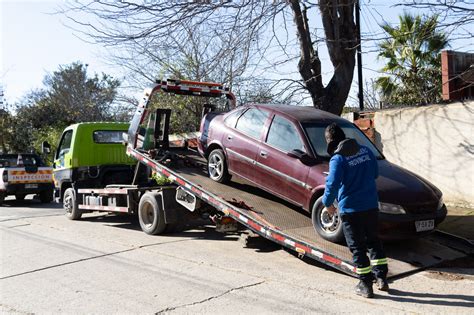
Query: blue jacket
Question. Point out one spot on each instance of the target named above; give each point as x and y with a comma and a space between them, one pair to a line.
352, 173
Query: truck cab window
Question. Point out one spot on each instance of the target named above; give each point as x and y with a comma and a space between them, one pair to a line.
65, 144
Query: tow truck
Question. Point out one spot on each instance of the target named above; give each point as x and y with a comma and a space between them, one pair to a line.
191, 192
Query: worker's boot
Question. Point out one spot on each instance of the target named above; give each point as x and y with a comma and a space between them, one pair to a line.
382, 284
364, 288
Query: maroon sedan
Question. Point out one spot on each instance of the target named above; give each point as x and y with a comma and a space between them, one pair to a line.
282, 150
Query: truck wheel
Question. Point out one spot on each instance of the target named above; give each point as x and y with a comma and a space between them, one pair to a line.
20, 197
151, 215
328, 227
46, 196
2, 196
70, 205
217, 166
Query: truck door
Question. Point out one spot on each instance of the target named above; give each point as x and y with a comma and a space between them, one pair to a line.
62, 167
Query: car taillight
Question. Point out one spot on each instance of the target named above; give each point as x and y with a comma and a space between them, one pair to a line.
5, 176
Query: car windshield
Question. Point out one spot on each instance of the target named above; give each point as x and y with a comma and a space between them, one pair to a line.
315, 132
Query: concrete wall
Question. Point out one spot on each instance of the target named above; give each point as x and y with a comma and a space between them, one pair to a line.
436, 142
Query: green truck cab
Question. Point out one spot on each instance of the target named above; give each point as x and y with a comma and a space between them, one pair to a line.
92, 155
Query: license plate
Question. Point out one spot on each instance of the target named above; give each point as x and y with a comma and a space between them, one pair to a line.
425, 225
31, 185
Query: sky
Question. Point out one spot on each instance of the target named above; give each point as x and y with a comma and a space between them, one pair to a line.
34, 42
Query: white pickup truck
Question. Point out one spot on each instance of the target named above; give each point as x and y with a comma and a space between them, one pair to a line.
24, 174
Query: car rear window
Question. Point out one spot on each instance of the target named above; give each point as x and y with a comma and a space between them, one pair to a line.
108, 136
252, 122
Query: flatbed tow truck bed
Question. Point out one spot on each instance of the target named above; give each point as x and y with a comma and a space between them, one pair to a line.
289, 226
263, 213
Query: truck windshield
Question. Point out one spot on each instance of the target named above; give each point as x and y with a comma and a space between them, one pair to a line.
315, 133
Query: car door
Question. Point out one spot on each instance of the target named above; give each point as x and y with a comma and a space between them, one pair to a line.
285, 176
242, 142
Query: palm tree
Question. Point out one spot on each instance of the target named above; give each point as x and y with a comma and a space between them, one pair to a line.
413, 58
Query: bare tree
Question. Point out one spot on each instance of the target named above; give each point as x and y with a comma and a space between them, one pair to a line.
225, 40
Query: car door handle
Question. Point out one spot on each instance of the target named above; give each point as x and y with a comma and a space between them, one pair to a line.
229, 137
264, 154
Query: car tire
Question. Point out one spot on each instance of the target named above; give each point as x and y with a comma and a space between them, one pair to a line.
217, 166
151, 214
329, 228
2, 197
70, 205
20, 197
46, 196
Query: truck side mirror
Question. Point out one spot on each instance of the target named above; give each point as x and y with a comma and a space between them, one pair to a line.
45, 147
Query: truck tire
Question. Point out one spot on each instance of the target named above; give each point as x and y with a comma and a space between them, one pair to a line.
2, 197
217, 166
70, 205
329, 228
20, 197
151, 214
46, 196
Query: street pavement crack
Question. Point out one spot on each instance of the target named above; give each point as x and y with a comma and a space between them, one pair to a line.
32, 217
168, 309
88, 258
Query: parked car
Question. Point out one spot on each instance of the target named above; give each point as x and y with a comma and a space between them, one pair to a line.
23, 174
282, 149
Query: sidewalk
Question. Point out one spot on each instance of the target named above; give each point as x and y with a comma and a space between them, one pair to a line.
460, 222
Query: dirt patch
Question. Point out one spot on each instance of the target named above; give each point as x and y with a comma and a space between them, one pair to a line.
454, 270
447, 276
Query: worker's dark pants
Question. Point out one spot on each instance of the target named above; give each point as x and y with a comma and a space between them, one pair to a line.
360, 230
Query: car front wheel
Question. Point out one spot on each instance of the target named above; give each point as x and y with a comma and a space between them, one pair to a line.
327, 226
217, 166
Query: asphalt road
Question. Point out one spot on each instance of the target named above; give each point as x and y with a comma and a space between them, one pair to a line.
106, 264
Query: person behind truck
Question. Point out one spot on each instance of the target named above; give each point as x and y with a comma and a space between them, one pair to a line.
352, 172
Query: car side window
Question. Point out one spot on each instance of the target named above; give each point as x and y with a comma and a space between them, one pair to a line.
231, 119
252, 122
283, 135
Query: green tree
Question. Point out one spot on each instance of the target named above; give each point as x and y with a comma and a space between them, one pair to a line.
412, 50
69, 96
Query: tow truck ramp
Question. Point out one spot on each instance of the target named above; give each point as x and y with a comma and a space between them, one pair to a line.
288, 226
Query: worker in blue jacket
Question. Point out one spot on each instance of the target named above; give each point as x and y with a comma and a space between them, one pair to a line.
351, 181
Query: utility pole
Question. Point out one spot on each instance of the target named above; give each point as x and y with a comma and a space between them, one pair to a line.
359, 57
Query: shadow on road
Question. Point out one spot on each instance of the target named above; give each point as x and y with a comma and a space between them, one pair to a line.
29, 203
429, 298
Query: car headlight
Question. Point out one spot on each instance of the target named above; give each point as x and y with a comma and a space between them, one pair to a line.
440, 203
391, 208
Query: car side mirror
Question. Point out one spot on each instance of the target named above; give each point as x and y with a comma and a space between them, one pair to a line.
302, 156
45, 147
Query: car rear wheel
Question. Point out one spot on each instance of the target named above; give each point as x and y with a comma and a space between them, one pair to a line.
70, 205
217, 166
2, 197
327, 226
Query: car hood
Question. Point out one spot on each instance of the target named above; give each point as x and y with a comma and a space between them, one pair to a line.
399, 186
